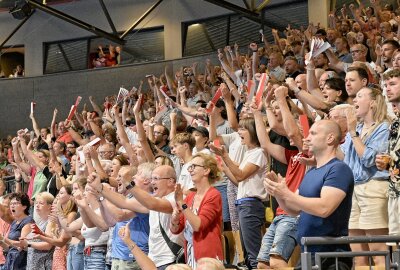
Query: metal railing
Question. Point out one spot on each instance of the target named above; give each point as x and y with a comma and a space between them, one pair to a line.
392, 258
10, 184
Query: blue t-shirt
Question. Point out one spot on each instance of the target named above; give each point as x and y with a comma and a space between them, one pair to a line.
140, 229
333, 174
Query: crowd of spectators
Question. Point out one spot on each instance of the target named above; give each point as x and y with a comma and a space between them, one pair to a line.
162, 176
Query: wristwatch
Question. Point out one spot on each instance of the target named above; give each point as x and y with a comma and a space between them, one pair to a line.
131, 185
184, 206
101, 198
353, 135
105, 180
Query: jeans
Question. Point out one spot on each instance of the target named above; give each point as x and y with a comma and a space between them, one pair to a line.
251, 219
75, 256
96, 260
225, 207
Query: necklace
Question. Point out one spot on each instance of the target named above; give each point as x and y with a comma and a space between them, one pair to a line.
367, 130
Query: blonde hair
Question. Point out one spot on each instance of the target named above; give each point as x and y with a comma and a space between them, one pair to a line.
210, 163
46, 196
379, 109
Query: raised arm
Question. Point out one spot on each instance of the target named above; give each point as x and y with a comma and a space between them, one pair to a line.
89, 216
35, 125
96, 107
225, 65
334, 61
174, 121
273, 122
142, 138
123, 137
307, 98
275, 150
53, 123
29, 155
311, 79
289, 123
115, 198
77, 137
113, 214
25, 167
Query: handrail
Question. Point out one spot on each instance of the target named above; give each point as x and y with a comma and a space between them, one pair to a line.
307, 261
307, 241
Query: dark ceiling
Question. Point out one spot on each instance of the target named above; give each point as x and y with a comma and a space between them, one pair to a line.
5, 5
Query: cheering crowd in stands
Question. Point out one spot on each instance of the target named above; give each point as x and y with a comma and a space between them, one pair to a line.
191, 158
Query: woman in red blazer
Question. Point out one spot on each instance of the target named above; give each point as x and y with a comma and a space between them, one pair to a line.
199, 215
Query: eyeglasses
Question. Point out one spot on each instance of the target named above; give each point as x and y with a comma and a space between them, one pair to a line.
159, 178
193, 166
157, 133
15, 203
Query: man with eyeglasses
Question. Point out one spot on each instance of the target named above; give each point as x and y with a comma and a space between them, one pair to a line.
358, 53
392, 163
161, 134
161, 204
71, 149
107, 151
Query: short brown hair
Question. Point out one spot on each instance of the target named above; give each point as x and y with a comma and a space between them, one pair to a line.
394, 73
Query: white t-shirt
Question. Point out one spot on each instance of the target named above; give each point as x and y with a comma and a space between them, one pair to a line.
224, 128
233, 143
94, 236
253, 186
185, 179
177, 165
159, 252
204, 151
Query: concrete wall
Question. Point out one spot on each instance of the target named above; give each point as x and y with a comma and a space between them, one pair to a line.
42, 27
60, 91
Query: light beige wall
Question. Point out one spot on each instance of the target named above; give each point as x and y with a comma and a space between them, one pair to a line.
318, 11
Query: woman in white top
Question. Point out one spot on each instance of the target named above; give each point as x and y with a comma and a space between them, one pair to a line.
92, 227
249, 176
94, 230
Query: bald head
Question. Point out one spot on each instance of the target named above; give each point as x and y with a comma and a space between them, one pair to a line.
165, 171
331, 128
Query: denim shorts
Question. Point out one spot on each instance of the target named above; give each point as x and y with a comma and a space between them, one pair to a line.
280, 239
96, 260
